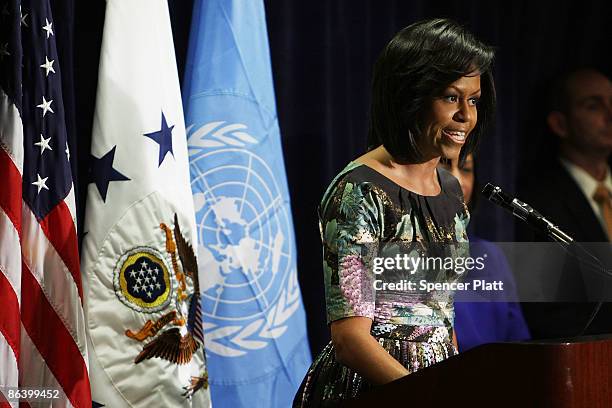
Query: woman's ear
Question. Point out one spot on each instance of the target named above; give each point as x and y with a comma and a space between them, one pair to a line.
557, 122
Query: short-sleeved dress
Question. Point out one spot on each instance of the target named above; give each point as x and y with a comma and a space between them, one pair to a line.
364, 215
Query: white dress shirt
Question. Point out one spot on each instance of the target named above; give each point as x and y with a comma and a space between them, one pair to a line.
588, 185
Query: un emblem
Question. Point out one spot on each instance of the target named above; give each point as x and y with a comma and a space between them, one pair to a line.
142, 281
246, 250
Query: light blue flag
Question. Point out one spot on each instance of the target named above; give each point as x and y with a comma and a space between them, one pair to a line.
254, 321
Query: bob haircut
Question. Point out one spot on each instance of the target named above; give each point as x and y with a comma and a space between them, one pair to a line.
418, 64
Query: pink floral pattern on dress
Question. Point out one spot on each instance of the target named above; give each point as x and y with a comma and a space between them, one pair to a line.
355, 287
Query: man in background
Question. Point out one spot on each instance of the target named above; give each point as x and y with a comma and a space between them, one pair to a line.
574, 190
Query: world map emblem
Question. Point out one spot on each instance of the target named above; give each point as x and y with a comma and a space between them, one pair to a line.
246, 251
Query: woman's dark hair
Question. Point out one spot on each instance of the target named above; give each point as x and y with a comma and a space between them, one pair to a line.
475, 198
418, 64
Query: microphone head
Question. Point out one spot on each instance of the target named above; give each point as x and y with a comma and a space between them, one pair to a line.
495, 194
489, 190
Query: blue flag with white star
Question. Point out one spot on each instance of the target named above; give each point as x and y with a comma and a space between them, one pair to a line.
142, 289
254, 322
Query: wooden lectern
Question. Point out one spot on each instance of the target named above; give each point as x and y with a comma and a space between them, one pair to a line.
574, 373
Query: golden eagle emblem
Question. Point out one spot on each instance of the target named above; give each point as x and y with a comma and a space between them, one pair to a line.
178, 343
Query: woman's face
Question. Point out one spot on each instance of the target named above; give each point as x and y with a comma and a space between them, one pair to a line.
465, 174
452, 118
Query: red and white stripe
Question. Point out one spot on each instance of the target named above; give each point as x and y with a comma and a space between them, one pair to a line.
11, 167
42, 325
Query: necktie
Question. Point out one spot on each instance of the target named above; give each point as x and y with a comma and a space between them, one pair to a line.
602, 198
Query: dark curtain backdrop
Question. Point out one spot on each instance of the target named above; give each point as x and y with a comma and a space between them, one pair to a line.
322, 55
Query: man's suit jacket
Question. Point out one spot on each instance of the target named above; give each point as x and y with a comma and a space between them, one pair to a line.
556, 195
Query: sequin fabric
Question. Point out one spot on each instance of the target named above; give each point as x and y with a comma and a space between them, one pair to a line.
364, 215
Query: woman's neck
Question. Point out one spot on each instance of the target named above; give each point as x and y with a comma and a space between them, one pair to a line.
418, 177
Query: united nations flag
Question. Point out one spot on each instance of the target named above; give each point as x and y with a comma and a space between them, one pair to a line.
251, 303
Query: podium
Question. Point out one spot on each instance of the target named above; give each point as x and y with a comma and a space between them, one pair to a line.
572, 373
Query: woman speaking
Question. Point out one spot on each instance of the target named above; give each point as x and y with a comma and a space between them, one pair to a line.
432, 97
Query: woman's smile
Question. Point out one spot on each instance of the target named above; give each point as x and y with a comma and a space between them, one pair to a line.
457, 136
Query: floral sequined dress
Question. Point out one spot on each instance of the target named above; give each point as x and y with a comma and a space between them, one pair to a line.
364, 215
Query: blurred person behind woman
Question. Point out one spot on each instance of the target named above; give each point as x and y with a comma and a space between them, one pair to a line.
489, 320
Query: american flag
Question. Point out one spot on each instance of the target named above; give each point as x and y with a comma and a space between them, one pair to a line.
42, 325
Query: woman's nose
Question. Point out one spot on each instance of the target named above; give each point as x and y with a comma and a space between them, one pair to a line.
464, 113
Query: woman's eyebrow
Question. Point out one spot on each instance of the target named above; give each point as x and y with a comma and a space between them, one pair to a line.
461, 90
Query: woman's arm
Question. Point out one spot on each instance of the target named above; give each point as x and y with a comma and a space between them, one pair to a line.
357, 349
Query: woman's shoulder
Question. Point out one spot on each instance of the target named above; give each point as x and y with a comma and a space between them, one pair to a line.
452, 195
354, 183
449, 183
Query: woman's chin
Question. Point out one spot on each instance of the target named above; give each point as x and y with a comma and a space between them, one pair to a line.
451, 152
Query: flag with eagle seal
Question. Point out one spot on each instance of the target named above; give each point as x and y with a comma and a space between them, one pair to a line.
142, 290
251, 301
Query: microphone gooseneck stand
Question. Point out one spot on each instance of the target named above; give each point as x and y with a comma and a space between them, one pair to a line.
539, 223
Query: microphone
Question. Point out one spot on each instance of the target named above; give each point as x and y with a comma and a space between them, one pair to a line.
526, 213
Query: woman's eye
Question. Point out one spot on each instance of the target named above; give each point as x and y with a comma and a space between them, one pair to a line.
474, 101
451, 98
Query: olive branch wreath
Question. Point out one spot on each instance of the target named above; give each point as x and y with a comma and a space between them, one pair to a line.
233, 340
